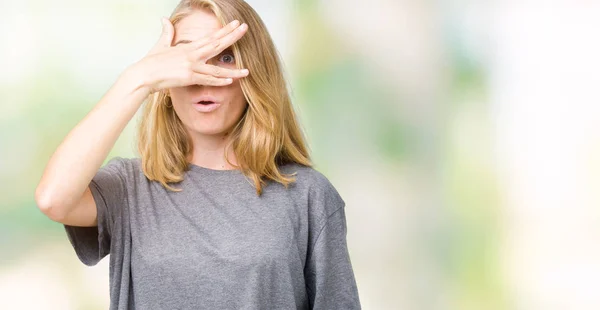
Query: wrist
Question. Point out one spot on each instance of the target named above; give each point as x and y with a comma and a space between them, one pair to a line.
135, 80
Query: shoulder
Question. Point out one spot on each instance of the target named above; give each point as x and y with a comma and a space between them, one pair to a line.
307, 176
118, 162
125, 167
319, 189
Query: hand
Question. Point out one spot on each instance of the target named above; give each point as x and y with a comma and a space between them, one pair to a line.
167, 66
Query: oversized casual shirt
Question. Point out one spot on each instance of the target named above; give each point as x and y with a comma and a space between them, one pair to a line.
217, 244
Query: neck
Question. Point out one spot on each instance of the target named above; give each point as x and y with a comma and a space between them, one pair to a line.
209, 152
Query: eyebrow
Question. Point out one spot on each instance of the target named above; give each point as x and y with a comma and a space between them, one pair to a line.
182, 42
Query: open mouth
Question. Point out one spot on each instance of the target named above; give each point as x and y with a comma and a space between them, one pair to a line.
206, 106
206, 102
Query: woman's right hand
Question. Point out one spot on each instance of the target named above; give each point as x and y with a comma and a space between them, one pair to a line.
167, 66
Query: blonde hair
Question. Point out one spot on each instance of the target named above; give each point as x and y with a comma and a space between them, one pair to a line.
267, 135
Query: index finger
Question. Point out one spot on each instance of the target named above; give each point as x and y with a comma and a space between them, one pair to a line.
215, 36
214, 48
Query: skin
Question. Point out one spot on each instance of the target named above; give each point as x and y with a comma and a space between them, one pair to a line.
63, 193
209, 131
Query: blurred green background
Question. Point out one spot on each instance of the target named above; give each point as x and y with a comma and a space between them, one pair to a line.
463, 136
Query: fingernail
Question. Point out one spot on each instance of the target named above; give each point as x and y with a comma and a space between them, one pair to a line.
245, 71
235, 22
228, 80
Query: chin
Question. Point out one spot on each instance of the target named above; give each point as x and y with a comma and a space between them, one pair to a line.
209, 130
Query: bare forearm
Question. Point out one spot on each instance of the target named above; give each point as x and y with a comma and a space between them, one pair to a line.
81, 153
78, 158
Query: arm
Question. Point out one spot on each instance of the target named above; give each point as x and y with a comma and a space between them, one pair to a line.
63, 193
330, 281
85, 147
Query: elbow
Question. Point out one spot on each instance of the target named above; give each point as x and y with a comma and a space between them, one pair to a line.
46, 202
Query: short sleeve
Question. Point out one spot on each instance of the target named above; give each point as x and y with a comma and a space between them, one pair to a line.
329, 277
109, 190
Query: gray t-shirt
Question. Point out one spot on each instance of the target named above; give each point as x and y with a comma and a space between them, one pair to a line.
216, 244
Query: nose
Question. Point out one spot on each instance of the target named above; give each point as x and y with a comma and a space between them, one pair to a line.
213, 61
199, 87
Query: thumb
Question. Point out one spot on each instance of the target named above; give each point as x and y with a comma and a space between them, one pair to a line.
166, 37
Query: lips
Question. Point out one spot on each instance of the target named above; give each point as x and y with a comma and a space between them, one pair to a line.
206, 104
205, 99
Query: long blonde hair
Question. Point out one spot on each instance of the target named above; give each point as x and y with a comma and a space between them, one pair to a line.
267, 135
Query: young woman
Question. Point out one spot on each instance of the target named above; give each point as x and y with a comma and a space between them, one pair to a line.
222, 210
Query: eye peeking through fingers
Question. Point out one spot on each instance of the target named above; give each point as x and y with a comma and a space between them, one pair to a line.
227, 57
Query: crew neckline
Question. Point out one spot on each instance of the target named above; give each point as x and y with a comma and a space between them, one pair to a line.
194, 167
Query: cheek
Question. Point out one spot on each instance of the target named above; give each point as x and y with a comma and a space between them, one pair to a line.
177, 94
239, 102
178, 99
236, 96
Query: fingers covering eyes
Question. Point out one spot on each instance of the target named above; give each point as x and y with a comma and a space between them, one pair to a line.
212, 48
